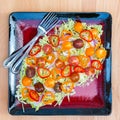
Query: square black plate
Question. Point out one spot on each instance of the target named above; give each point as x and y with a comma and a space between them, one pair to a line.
15, 44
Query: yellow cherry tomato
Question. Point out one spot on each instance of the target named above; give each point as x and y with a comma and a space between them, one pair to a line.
50, 58
25, 92
48, 98
66, 45
49, 83
94, 32
26, 81
101, 53
90, 51
78, 27
84, 60
56, 74
67, 86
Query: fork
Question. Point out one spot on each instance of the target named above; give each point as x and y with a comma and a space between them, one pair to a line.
14, 61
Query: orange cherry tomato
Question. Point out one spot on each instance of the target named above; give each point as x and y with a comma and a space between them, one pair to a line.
41, 62
66, 45
31, 61
78, 27
59, 63
26, 81
84, 60
90, 51
66, 71
48, 98
49, 82
34, 95
67, 86
101, 53
66, 35
25, 92
56, 74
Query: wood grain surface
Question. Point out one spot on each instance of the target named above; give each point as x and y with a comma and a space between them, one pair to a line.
111, 6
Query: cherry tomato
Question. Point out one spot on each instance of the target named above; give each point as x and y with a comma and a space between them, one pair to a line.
78, 43
43, 72
90, 51
31, 61
25, 92
66, 35
59, 63
67, 86
94, 32
35, 50
74, 77
41, 62
86, 35
79, 69
56, 74
96, 64
66, 45
66, 71
84, 60
101, 53
49, 82
73, 60
48, 98
89, 71
47, 49
78, 27
26, 81
50, 58
34, 95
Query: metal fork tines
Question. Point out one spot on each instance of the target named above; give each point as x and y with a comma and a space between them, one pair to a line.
14, 61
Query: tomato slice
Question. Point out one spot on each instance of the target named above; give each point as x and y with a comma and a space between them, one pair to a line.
66, 71
54, 40
96, 64
84, 60
79, 69
43, 72
25, 92
41, 62
48, 98
66, 35
73, 60
34, 95
35, 50
67, 86
56, 74
47, 49
86, 35
31, 61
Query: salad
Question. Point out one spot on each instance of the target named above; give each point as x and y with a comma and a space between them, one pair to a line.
73, 55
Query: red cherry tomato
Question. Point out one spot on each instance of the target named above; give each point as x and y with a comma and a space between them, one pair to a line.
34, 95
47, 49
41, 62
79, 69
59, 63
35, 50
73, 60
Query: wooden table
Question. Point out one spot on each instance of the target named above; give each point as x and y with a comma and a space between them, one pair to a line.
112, 6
